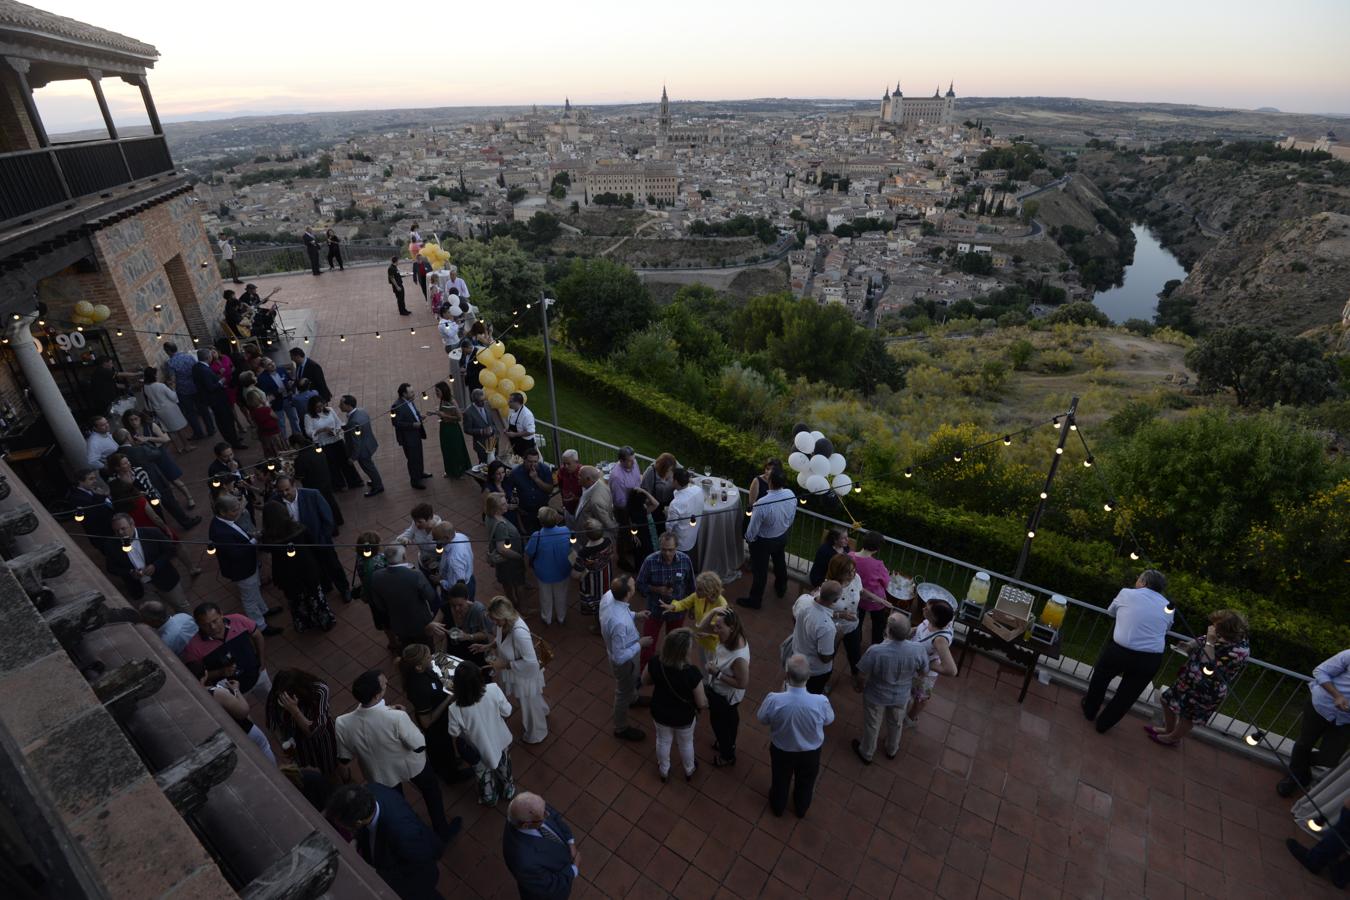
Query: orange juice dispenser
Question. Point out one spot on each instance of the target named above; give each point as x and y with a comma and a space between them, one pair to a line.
1051, 619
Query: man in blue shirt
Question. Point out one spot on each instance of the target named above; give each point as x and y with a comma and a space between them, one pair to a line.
533, 481
179, 365
664, 577
885, 677
770, 519
796, 721
1135, 653
619, 628
1326, 723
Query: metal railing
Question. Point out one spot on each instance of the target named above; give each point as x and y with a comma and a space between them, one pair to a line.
33, 181
1263, 696
278, 259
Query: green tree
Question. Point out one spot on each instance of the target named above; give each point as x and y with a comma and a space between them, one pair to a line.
1079, 313
1262, 367
601, 303
503, 278
707, 305
516, 194
1020, 353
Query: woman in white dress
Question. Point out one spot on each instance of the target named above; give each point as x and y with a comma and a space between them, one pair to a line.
478, 715
163, 402
517, 668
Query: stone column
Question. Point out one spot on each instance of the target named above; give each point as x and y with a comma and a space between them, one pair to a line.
45, 391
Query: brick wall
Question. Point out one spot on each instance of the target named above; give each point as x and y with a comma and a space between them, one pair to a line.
16, 132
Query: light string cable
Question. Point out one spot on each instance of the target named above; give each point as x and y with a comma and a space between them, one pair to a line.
1256, 736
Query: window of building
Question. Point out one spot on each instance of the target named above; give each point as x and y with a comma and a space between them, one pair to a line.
69, 111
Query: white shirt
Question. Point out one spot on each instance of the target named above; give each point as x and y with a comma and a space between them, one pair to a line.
688, 501
618, 630
425, 543
449, 332
325, 428
521, 420
772, 515
459, 285
457, 563
293, 507
384, 741
1141, 620
226, 249
483, 724
813, 637
100, 446
137, 557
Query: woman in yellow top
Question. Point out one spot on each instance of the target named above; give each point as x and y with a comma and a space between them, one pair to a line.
707, 596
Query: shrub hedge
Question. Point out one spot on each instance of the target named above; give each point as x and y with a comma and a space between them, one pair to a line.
1088, 570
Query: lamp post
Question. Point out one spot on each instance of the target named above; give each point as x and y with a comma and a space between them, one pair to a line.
544, 304
1065, 424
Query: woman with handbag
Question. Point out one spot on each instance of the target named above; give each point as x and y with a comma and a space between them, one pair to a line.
518, 667
677, 699
728, 677
505, 549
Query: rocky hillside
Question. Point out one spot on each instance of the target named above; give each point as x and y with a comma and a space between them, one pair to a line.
1076, 217
1266, 239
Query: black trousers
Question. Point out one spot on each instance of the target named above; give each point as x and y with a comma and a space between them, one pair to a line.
224, 415
234, 271
726, 721
816, 683
412, 451
1315, 728
878, 619
313, 259
787, 767
399, 295
429, 786
853, 647
334, 256
762, 552
1136, 670
340, 467
332, 571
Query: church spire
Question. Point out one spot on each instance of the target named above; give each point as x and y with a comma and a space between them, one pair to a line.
951, 88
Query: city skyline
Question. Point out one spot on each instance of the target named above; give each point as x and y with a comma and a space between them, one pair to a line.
1242, 55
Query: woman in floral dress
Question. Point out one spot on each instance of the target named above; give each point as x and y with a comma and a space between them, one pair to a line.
1211, 667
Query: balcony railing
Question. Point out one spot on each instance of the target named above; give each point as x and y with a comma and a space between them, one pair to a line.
35, 181
277, 259
1263, 696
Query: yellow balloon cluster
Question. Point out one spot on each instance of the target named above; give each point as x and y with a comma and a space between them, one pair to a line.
434, 255
501, 376
87, 313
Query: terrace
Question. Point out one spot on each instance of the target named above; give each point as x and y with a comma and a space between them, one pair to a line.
988, 798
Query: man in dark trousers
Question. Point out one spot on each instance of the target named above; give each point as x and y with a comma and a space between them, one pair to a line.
478, 425
410, 432
309, 369
334, 251
361, 443
407, 596
308, 507
390, 836
396, 283
146, 559
539, 849
211, 395
237, 554
1135, 652
312, 249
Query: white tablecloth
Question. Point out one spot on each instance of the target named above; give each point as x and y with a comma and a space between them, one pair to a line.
720, 545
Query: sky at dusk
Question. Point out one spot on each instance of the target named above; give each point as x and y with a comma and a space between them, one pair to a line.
272, 57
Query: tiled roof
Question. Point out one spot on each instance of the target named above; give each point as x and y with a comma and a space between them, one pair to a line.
30, 18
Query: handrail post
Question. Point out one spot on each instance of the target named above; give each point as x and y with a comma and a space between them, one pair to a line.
552, 390
1034, 519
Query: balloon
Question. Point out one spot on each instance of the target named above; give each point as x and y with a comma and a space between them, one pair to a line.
498, 402
819, 465
817, 484
797, 461
499, 367
801, 479
487, 378
804, 442
515, 372
101, 313
456, 311
823, 447
842, 484
526, 383
484, 356
837, 463
497, 350
507, 358
84, 308
506, 386
799, 428
816, 435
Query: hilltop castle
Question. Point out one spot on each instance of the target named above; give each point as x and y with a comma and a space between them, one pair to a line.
909, 112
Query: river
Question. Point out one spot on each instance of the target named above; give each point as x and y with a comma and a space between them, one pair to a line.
1137, 296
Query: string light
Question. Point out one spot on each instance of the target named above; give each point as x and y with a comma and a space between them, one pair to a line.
1134, 554
154, 501
1044, 495
159, 307
377, 335
290, 551
306, 339
271, 465
1055, 422
357, 432
1007, 440
215, 482
210, 549
1169, 609
79, 517
506, 544
572, 539
158, 336
1031, 534
1207, 670
17, 317
126, 546
801, 500
1073, 427
424, 395
748, 514
367, 552
634, 531
1087, 463
909, 472
1254, 737
79, 328
342, 338
1108, 506
440, 548
1316, 824
693, 520
412, 331
1059, 451
956, 458
857, 489
119, 332
318, 449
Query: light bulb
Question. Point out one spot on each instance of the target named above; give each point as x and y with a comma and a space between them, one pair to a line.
1031, 534
1169, 609
154, 501
196, 340
748, 514
367, 552
572, 539
1059, 451
506, 544
1253, 738
210, 549
909, 472
79, 328
801, 500
392, 414
290, 550
1073, 427
306, 339
17, 317
1044, 495
1134, 554
159, 307
1207, 670
424, 395
857, 489
119, 332
956, 457
271, 466
1007, 440
158, 336
126, 546
440, 548
342, 338
412, 331
693, 520
318, 449
79, 517
215, 482
357, 432
633, 531
42, 323
1315, 824
1087, 463
377, 335
1107, 506
1055, 422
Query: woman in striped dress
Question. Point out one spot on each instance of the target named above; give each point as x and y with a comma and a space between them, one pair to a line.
297, 711
593, 567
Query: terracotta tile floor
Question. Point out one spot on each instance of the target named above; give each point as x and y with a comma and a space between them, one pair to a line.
987, 798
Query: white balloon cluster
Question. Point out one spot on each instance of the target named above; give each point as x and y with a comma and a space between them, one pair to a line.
819, 468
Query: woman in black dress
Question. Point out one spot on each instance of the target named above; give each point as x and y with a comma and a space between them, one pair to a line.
429, 699
677, 699
295, 568
297, 712
832, 543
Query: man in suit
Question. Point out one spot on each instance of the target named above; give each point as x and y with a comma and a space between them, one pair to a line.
396, 284
148, 459
237, 554
410, 432
211, 395
361, 443
596, 502
146, 559
93, 510
309, 369
539, 849
389, 836
478, 425
389, 747
406, 595
312, 249
308, 507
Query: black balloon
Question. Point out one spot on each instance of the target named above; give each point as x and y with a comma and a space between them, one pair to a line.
824, 447
799, 428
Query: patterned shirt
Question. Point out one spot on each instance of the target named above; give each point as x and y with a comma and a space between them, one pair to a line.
656, 572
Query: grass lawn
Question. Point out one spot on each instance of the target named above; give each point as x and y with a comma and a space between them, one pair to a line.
585, 412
